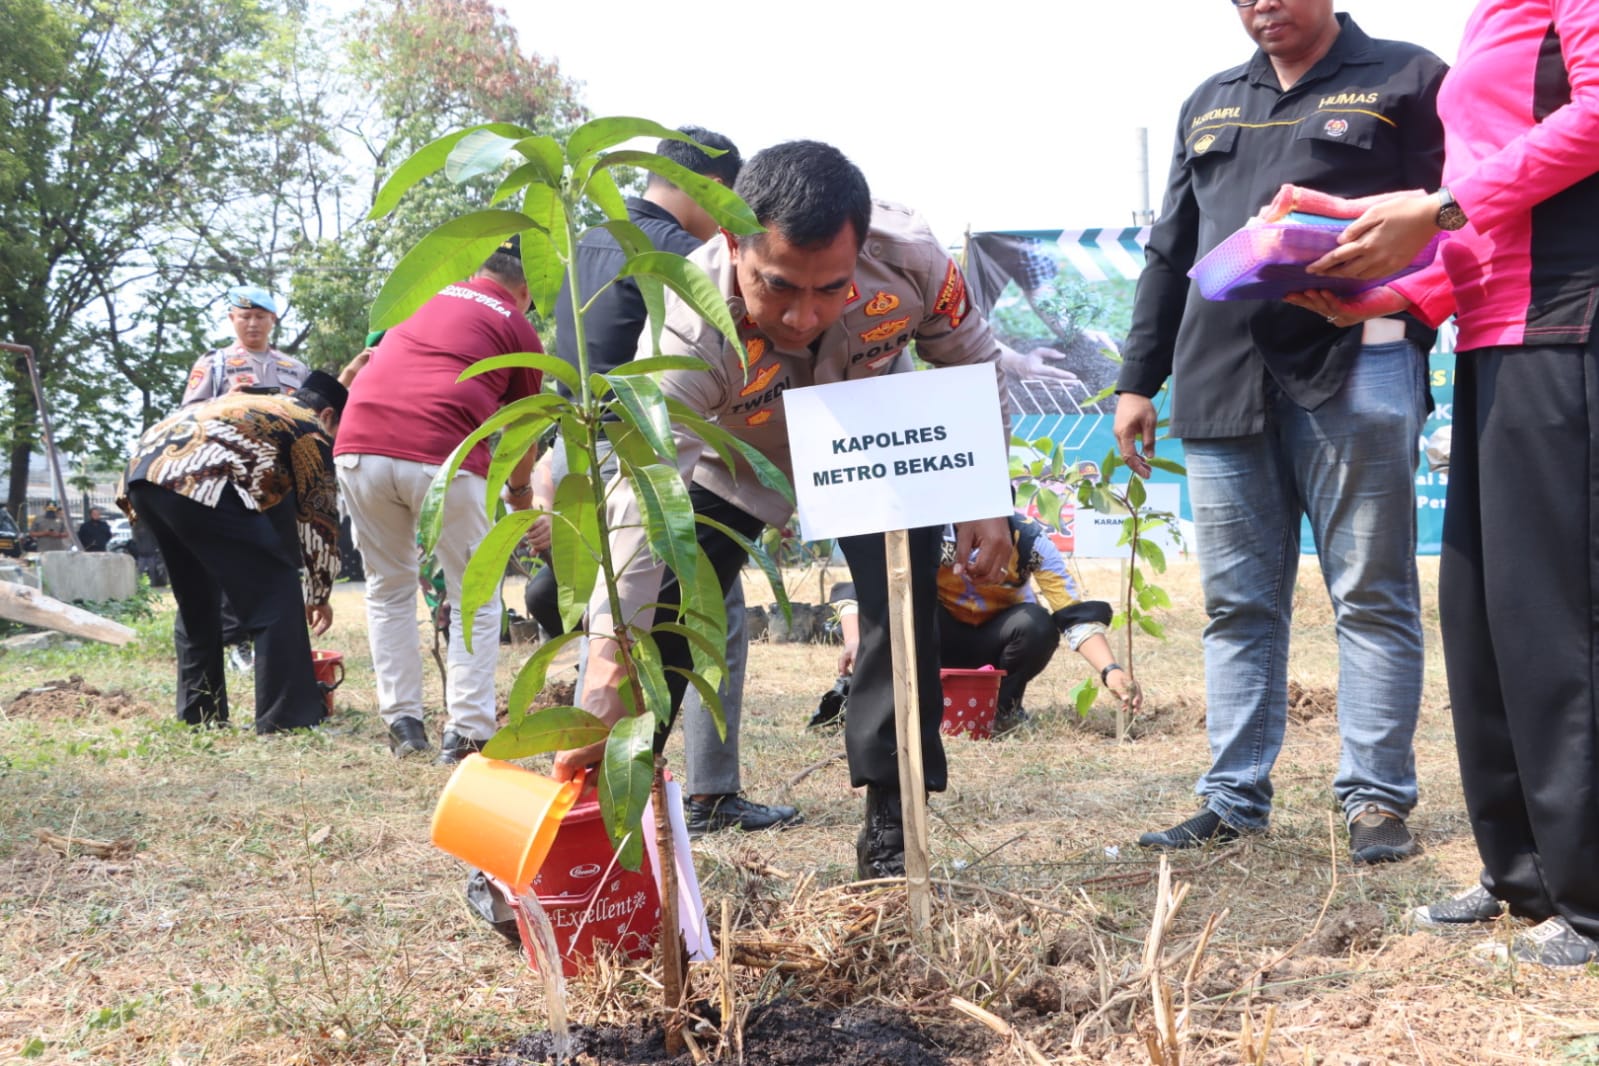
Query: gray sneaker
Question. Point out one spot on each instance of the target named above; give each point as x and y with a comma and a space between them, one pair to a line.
1472, 907
1553, 943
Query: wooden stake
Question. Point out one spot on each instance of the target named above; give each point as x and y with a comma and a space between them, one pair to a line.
908, 725
674, 963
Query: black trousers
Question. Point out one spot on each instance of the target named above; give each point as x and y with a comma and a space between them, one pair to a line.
1020, 640
543, 600
1519, 605
869, 736
249, 556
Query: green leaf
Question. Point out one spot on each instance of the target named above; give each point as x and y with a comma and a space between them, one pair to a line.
1135, 493
485, 569
668, 517
725, 443
600, 186
710, 699
432, 516
545, 154
479, 152
703, 603
547, 729
652, 677
552, 366
658, 364
531, 678
694, 287
624, 785
1152, 627
1138, 580
774, 577
599, 134
450, 253
515, 182
645, 407
425, 161
574, 546
544, 270
34, 1048
1168, 465
574, 441
1083, 697
721, 203
511, 449
707, 654
1150, 552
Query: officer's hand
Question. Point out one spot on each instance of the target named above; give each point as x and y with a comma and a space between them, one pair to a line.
1383, 241
989, 538
572, 762
846, 658
319, 616
1134, 425
538, 534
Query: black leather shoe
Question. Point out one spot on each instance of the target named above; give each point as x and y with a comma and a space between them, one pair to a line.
1203, 828
408, 736
830, 708
880, 847
455, 747
732, 811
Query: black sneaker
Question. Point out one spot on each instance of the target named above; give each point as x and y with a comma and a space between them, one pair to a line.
1474, 905
1376, 835
455, 747
732, 811
1552, 942
1010, 719
408, 736
830, 708
1203, 828
241, 657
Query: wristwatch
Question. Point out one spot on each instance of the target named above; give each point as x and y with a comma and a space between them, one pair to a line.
1451, 216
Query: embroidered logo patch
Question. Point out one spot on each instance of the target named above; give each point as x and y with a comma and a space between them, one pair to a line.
886, 330
1336, 127
881, 303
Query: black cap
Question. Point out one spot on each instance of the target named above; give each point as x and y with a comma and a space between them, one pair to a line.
511, 246
326, 385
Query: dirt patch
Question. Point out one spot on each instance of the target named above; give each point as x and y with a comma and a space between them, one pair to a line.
783, 1033
72, 698
1306, 703
1357, 927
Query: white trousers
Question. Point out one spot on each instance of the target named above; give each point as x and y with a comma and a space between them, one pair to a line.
384, 496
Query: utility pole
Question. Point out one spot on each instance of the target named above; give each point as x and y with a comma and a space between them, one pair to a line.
1144, 215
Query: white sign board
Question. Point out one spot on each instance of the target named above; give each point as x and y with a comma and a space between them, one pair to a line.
1095, 534
898, 452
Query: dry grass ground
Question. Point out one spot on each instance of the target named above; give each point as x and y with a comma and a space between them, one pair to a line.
276, 900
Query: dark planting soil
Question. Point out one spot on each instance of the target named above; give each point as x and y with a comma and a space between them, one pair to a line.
777, 1034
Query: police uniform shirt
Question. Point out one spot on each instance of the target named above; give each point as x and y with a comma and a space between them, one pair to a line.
1362, 121
905, 288
260, 447
236, 367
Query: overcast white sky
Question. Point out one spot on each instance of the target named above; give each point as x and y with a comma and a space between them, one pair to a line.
991, 115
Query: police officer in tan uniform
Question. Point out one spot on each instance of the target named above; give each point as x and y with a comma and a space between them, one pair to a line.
835, 289
252, 362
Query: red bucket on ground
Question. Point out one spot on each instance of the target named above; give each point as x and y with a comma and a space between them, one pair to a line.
328, 666
971, 700
592, 902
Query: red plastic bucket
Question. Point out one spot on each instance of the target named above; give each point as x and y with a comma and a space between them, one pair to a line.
328, 666
591, 901
971, 700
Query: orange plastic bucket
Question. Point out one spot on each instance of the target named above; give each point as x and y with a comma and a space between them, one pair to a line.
501, 818
971, 700
328, 666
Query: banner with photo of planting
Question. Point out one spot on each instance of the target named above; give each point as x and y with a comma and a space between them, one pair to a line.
1068, 296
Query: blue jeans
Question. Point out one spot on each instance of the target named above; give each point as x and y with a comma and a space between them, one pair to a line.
1349, 466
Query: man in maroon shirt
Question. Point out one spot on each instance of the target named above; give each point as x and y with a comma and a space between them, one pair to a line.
407, 413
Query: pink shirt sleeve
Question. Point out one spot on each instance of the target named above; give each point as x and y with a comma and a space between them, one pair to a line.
1551, 155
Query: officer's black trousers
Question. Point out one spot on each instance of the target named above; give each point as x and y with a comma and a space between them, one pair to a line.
1519, 605
248, 555
869, 727
1020, 640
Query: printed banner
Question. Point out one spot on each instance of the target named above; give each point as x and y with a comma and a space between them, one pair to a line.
1071, 292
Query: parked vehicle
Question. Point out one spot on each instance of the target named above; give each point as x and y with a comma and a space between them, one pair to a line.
10, 535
